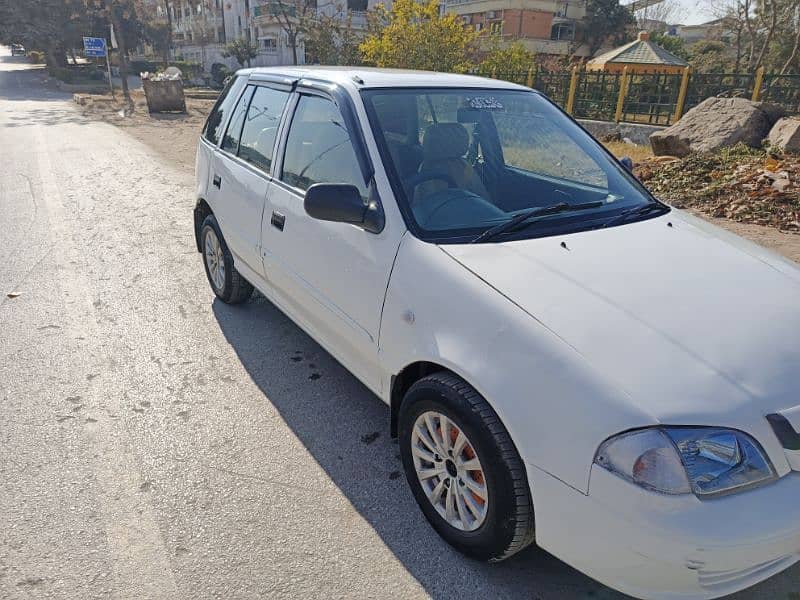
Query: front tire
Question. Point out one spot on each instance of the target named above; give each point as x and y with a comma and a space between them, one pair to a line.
225, 280
464, 470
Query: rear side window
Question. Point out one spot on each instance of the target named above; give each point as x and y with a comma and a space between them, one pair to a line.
318, 147
213, 129
230, 142
261, 126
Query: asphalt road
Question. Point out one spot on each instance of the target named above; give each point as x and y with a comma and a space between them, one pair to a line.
156, 443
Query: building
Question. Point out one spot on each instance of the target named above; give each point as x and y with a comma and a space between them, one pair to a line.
639, 56
201, 29
543, 26
718, 29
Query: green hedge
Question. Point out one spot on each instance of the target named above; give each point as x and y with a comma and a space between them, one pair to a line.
35, 56
76, 74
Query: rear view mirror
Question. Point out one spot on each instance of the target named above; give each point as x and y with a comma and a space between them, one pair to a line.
627, 162
342, 203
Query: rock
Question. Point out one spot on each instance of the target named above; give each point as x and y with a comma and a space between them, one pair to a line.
785, 135
774, 112
781, 184
714, 123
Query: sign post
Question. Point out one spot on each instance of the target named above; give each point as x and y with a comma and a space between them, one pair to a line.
94, 46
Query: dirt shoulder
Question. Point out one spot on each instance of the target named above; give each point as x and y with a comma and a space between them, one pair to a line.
174, 138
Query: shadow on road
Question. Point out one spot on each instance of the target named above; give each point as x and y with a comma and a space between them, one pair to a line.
346, 429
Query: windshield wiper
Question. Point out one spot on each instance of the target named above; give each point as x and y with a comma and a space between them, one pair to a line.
637, 211
539, 211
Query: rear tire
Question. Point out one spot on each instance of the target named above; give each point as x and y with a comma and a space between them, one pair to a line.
225, 280
486, 464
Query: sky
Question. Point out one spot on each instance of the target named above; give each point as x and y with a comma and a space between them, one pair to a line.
688, 12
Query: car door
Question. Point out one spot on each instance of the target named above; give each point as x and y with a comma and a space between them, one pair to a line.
241, 171
331, 276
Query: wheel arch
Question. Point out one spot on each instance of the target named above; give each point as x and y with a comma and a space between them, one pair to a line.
404, 379
201, 211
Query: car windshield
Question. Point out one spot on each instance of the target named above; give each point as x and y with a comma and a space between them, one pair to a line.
465, 160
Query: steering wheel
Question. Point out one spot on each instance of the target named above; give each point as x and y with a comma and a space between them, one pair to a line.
424, 176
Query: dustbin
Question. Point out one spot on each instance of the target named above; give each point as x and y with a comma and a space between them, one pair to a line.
164, 95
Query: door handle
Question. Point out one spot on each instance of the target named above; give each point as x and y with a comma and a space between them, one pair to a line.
278, 220
217, 181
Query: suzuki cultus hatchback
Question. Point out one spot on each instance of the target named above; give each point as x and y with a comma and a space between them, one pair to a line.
566, 359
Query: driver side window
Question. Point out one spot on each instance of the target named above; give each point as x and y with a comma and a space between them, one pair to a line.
318, 147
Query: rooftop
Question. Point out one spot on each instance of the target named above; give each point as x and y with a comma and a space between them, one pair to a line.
370, 77
642, 52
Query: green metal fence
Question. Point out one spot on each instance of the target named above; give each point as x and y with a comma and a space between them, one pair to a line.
653, 98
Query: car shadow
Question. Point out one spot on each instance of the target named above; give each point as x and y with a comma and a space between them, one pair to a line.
345, 427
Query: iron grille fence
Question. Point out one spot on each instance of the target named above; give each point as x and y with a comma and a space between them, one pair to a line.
653, 98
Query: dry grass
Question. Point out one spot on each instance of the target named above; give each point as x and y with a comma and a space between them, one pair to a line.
636, 152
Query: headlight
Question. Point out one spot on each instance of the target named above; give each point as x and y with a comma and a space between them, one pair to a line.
708, 461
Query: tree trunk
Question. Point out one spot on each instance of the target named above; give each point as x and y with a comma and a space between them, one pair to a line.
56, 56
293, 42
169, 34
123, 56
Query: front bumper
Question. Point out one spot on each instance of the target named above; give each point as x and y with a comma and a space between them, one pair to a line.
656, 546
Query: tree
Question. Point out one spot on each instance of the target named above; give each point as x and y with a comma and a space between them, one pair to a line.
672, 44
514, 58
416, 35
656, 17
293, 17
710, 56
242, 50
50, 25
331, 40
761, 32
607, 22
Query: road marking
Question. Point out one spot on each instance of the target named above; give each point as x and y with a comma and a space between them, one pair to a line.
139, 557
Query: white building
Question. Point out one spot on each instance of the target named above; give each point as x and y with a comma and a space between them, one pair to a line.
200, 31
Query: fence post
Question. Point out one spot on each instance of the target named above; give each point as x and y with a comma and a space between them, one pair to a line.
757, 83
573, 86
623, 90
494, 72
529, 81
681, 104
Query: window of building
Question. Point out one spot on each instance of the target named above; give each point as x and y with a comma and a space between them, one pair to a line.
318, 147
261, 126
269, 45
496, 28
563, 31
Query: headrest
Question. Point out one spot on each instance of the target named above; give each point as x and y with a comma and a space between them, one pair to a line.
445, 140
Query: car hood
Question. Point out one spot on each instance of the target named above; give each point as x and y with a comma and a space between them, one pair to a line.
695, 325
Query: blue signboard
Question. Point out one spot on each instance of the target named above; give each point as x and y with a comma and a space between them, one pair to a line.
94, 46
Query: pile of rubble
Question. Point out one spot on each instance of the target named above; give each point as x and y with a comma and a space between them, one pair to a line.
739, 183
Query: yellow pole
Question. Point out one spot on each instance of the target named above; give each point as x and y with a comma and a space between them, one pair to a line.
757, 84
623, 90
681, 104
573, 86
494, 72
529, 83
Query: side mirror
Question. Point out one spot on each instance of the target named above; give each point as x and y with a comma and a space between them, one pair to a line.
627, 162
342, 203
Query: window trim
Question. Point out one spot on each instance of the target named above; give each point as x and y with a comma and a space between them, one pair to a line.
283, 84
230, 122
344, 103
234, 82
278, 131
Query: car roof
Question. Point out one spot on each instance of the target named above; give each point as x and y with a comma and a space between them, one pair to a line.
370, 77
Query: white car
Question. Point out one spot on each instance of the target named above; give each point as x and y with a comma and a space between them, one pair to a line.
566, 359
